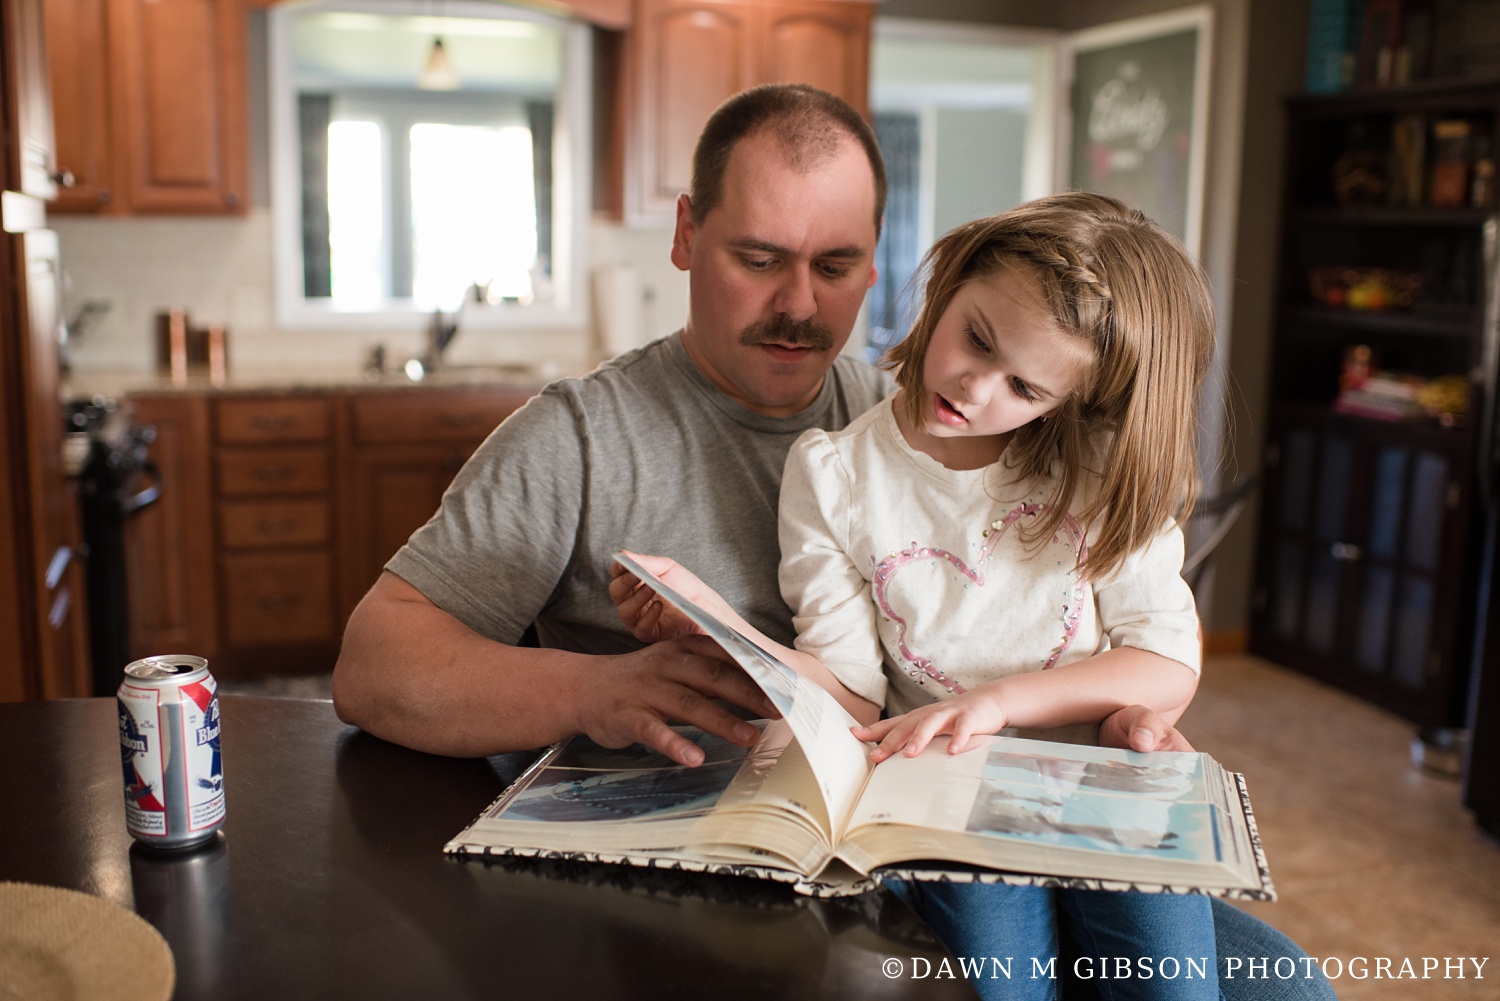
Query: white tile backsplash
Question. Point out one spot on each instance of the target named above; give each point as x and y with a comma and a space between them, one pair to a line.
220, 271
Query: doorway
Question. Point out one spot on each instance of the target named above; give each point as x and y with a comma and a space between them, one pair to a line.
965, 116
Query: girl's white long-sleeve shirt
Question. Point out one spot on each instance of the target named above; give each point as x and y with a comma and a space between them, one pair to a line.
911, 581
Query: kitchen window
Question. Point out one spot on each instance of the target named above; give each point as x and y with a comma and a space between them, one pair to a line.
397, 193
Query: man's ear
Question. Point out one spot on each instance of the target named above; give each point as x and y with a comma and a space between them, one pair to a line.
874, 277
682, 235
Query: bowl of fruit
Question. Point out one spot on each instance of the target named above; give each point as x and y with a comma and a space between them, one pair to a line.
1363, 288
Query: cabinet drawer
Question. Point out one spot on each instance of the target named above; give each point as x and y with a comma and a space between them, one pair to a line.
259, 524
409, 417
277, 598
273, 420
254, 471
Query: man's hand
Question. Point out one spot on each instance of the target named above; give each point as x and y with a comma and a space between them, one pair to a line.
1140, 728
412, 674
632, 698
648, 617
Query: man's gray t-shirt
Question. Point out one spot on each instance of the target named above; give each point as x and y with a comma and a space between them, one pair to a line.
644, 453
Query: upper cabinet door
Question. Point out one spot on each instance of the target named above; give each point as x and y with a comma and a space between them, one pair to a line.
33, 173
180, 93
178, 77
824, 44
686, 59
78, 66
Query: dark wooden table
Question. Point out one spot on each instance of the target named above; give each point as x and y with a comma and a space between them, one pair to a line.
328, 881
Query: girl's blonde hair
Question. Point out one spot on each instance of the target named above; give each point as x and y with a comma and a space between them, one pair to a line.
1122, 284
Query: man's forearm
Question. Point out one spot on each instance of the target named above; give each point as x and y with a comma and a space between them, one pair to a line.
412, 674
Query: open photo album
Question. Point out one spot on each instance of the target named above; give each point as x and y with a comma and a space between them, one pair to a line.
806, 806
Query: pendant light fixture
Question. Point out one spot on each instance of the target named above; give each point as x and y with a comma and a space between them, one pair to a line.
439, 73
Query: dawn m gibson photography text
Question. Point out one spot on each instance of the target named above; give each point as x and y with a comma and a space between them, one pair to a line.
1190, 968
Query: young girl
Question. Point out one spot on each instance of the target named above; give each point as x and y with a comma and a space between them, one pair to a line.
995, 546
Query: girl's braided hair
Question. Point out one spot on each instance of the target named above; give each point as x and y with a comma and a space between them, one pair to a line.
1118, 281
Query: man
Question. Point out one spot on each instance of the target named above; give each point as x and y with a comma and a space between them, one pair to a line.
675, 448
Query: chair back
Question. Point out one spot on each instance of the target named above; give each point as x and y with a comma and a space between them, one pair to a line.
1210, 522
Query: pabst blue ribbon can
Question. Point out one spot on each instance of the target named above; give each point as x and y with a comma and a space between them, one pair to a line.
169, 748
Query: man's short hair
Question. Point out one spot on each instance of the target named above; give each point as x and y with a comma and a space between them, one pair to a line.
809, 124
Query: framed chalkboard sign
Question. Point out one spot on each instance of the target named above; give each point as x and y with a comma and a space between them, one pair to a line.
1138, 116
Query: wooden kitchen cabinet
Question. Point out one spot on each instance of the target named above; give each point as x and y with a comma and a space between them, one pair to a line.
685, 57
150, 104
228, 561
825, 44
273, 514
277, 598
169, 546
54, 592
279, 510
43, 623
405, 448
33, 143
281, 420
77, 63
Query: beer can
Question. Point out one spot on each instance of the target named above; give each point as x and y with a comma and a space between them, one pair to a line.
169, 749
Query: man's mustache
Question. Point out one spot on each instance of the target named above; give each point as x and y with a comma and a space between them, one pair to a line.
780, 330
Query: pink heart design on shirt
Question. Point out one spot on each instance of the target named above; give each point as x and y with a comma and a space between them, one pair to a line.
921, 668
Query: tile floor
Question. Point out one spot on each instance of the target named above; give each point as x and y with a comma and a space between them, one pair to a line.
1371, 856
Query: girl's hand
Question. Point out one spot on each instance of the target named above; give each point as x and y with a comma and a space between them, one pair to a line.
1140, 728
645, 614
963, 717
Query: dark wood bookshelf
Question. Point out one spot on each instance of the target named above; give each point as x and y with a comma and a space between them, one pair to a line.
1367, 562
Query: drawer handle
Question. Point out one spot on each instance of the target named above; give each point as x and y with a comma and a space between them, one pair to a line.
277, 602
273, 474
272, 422
1346, 552
275, 526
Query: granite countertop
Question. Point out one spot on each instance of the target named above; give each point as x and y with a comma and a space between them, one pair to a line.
116, 385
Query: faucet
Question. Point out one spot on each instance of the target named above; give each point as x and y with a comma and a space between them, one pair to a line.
441, 330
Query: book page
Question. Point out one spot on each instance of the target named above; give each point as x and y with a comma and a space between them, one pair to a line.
934, 789
783, 781
581, 797
1091, 798
820, 725
1065, 809
756, 817
581, 782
